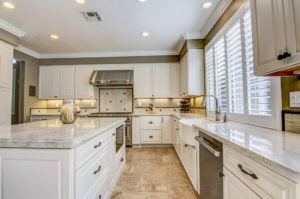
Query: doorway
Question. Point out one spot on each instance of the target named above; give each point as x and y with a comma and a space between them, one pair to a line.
17, 92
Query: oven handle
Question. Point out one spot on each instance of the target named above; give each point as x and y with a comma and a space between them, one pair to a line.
206, 145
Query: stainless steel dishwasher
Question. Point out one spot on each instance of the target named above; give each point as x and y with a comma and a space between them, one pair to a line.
211, 167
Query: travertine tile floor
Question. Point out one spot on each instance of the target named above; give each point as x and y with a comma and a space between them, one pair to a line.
153, 173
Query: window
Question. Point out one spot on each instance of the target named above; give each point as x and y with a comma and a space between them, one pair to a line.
230, 75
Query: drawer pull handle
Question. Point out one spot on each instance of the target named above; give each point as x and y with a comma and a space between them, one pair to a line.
247, 173
99, 197
150, 122
99, 169
96, 146
150, 136
189, 145
122, 159
113, 134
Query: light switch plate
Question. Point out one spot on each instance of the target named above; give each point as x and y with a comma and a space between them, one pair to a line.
295, 99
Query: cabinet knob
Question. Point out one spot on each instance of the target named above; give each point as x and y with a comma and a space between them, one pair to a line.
55, 96
99, 197
150, 122
151, 136
286, 55
122, 159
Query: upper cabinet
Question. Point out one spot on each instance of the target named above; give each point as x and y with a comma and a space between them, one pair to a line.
57, 82
6, 59
192, 73
83, 90
143, 87
156, 80
49, 82
276, 35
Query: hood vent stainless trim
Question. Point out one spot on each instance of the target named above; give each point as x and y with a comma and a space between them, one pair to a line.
112, 78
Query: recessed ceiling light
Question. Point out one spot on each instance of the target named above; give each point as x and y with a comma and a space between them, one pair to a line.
8, 5
145, 34
142, 1
53, 36
81, 2
207, 5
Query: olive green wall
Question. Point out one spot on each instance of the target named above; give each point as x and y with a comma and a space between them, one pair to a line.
289, 84
110, 60
9, 38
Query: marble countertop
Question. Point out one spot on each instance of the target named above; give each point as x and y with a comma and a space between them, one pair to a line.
53, 133
277, 150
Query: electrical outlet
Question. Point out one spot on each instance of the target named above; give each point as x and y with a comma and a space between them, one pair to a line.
295, 99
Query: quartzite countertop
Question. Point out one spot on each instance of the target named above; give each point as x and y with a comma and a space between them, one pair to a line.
277, 150
53, 133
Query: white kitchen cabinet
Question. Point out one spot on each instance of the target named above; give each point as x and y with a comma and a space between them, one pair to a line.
49, 82
275, 25
150, 136
5, 108
143, 81
190, 153
66, 82
83, 89
6, 65
234, 188
265, 183
162, 80
192, 73
151, 122
136, 130
159, 80
175, 81
166, 130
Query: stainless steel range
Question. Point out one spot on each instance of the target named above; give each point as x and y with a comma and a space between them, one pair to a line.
128, 124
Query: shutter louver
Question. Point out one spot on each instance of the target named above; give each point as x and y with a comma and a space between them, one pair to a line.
235, 68
220, 73
210, 80
258, 88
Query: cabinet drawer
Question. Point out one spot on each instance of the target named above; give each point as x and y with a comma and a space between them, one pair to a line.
86, 151
150, 136
101, 190
91, 173
263, 180
151, 122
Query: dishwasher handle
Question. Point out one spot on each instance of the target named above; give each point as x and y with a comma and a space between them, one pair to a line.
208, 146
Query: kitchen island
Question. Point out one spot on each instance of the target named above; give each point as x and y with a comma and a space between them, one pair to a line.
50, 160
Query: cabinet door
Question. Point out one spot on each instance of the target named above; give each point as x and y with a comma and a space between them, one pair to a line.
66, 82
136, 130
195, 72
183, 76
234, 188
292, 16
6, 66
269, 36
175, 81
167, 130
162, 80
48, 82
143, 81
5, 107
83, 89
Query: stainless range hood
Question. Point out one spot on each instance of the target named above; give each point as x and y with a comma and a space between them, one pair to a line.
112, 78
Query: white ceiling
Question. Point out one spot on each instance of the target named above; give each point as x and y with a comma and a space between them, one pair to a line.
120, 28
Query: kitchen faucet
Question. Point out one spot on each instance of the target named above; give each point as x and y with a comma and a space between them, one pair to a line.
219, 117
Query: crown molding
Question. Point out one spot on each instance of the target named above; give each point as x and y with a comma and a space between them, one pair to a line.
193, 35
180, 44
28, 51
11, 29
221, 7
107, 54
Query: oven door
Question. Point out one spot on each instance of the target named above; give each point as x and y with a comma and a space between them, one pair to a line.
119, 137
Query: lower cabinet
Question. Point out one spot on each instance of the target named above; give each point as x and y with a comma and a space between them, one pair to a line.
234, 188
154, 129
89, 171
246, 178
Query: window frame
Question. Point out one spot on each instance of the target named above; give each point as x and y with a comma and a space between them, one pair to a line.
273, 121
